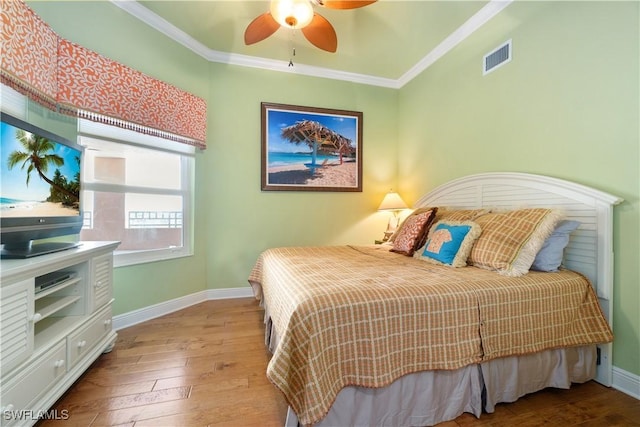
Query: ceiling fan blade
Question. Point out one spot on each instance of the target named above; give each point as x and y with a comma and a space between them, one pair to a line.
345, 4
321, 34
260, 28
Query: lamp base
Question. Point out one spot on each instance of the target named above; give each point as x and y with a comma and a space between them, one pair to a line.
392, 226
387, 235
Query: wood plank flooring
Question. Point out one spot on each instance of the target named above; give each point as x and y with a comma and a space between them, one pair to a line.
205, 366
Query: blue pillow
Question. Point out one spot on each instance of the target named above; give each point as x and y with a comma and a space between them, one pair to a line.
549, 257
450, 243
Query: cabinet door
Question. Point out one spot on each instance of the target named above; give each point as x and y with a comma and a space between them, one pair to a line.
16, 323
101, 281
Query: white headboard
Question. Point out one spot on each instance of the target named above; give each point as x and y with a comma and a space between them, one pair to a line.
590, 250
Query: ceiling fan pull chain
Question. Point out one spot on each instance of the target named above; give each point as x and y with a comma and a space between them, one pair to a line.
293, 48
293, 53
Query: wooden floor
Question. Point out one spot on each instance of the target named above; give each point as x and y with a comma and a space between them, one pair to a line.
205, 365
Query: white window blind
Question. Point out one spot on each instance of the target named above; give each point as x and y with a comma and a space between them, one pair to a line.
13, 102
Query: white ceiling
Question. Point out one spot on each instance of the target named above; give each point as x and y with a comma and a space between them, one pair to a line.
385, 44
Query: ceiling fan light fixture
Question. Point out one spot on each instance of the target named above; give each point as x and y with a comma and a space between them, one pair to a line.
292, 13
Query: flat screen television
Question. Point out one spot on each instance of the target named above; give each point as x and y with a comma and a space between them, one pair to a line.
39, 189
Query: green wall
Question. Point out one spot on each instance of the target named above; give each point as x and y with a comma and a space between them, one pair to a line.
244, 220
567, 106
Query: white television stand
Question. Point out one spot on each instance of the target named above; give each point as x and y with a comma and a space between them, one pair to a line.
50, 337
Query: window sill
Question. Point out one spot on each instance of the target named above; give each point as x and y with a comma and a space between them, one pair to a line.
128, 258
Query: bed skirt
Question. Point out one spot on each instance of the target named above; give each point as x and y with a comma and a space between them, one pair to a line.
430, 397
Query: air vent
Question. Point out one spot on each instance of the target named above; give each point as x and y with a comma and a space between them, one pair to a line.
497, 58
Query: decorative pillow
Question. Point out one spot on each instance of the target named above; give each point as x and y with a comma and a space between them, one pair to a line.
460, 214
549, 258
510, 240
415, 212
412, 231
441, 214
449, 243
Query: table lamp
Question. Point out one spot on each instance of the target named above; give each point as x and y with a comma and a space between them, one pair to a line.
392, 202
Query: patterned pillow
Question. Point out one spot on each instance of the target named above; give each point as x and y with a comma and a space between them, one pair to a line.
460, 214
510, 240
418, 211
413, 229
449, 243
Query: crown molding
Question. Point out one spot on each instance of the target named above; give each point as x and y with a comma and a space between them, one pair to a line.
302, 69
162, 25
140, 12
481, 17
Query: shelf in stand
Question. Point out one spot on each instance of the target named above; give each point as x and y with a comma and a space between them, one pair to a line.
56, 288
47, 306
53, 329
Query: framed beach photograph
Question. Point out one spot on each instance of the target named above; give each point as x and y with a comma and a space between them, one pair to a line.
311, 149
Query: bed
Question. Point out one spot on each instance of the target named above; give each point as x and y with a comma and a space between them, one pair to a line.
365, 335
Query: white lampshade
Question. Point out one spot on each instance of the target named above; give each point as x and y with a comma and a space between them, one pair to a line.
392, 202
292, 13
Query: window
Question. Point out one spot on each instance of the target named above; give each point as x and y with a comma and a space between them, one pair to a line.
136, 189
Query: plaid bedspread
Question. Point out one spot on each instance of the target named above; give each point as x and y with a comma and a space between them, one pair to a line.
348, 315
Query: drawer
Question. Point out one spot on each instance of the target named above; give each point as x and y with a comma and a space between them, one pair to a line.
25, 387
85, 338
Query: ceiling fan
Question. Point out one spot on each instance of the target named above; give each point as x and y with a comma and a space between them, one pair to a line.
299, 14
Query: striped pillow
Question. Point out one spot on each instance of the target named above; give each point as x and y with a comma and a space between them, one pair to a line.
510, 240
445, 214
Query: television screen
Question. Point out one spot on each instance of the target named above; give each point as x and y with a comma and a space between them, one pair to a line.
39, 184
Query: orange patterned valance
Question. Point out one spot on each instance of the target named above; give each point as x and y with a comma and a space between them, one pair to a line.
29, 53
77, 81
90, 82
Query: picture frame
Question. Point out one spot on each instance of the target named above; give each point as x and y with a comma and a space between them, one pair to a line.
310, 149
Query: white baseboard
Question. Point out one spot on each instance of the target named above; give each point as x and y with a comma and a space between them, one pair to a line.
153, 311
624, 381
